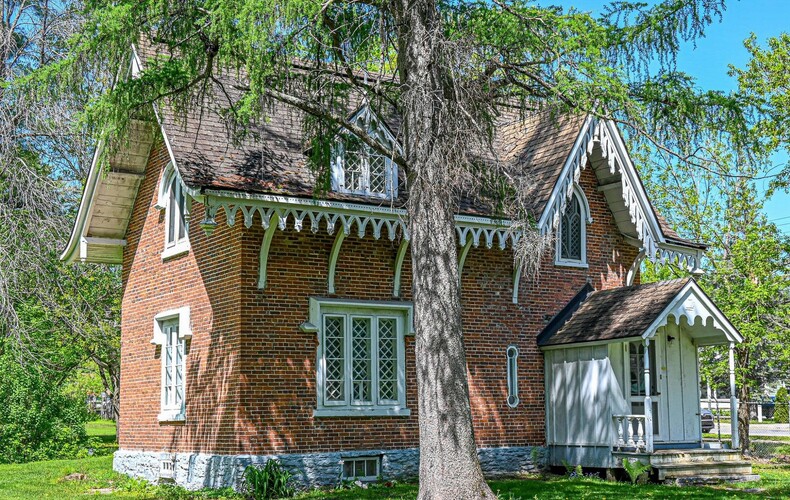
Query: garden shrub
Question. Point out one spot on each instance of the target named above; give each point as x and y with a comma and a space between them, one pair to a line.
37, 421
781, 409
269, 481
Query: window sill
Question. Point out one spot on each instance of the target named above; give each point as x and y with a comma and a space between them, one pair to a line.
566, 263
367, 194
361, 412
172, 417
175, 251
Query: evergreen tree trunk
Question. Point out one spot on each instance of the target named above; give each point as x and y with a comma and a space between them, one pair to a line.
449, 467
743, 417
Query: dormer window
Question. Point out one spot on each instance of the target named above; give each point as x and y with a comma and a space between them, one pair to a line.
572, 232
359, 169
173, 199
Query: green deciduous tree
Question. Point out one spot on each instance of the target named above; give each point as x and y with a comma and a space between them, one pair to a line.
59, 319
448, 69
746, 269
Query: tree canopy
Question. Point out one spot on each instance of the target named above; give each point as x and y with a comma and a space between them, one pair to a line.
449, 69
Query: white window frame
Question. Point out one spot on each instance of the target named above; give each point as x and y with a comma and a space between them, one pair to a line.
181, 317
584, 208
375, 128
402, 312
365, 478
512, 376
171, 180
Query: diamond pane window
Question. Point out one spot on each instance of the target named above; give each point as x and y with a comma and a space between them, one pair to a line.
360, 350
362, 359
359, 169
571, 241
334, 358
388, 359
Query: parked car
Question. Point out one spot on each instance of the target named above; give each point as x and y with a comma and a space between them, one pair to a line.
707, 420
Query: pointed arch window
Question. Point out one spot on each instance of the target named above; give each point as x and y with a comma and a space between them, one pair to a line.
359, 169
572, 232
174, 200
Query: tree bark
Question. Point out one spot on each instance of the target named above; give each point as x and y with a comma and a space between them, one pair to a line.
449, 466
743, 417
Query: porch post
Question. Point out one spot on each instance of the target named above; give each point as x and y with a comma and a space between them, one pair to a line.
733, 401
648, 400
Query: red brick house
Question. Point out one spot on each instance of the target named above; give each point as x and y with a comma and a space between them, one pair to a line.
262, 321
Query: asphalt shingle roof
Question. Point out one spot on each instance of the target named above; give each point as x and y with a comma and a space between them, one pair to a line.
617, 313
272, 159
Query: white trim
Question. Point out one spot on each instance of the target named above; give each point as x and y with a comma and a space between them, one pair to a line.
364, 459
462, 258
516, 281
184, 324
693, 304
333, 255
86, 206
181, 316
399, 258
337, 167
651, 237
362, 411
172, 180
512, 375
402, 313
171, 416
584, 208
263, 258
179, 248
315, 213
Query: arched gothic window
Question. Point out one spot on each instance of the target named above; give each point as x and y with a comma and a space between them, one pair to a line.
174, 200
571, 244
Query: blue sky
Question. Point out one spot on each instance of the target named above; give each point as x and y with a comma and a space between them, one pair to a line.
723, 45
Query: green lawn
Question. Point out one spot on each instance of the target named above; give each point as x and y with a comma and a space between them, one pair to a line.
42, 480
76, 479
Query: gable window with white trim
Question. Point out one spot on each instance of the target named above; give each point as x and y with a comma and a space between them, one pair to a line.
571, 246
171, 332
361, 357
359, 169
174, 201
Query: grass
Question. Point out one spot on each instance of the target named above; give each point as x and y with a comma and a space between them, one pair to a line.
102, 433
45, 480
94, 476
726, 437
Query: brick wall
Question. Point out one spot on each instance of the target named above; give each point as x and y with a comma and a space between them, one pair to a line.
251, 372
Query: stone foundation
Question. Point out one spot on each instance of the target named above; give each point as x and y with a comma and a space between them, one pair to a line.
200, 470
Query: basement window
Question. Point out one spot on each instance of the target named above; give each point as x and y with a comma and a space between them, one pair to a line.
361, 468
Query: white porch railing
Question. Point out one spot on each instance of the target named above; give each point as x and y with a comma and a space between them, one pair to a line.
631, 433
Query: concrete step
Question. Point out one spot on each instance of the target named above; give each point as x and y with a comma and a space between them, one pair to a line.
669, 457
704, 469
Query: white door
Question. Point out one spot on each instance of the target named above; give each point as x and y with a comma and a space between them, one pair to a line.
635, 375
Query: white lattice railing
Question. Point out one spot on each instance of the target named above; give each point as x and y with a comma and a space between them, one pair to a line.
630, 431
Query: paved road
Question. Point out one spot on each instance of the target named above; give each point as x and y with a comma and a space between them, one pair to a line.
759, 429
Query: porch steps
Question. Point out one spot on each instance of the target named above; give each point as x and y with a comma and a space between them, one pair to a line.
697, 466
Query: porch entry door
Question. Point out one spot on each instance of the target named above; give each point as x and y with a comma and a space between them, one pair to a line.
635, 371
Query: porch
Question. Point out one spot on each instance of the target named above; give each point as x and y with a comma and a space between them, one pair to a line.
622, 381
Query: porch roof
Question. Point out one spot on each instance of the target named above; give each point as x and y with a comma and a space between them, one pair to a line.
637, 312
